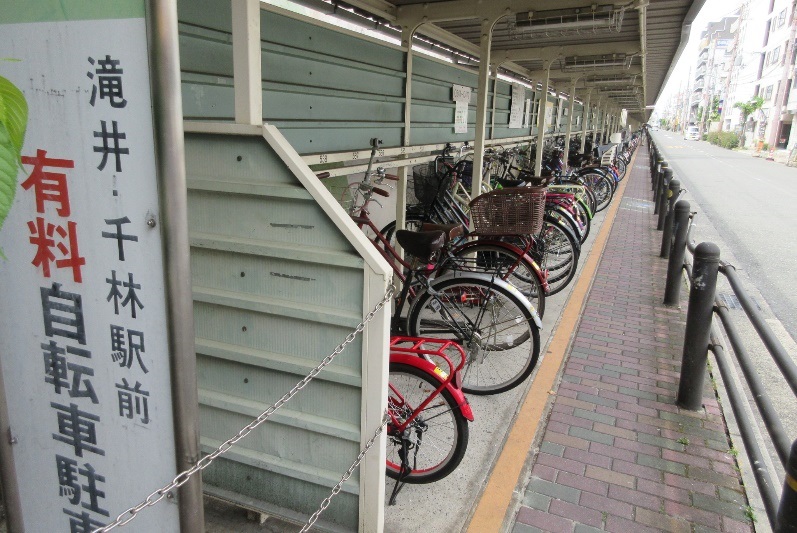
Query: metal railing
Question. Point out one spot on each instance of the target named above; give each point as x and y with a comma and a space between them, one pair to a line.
702, 335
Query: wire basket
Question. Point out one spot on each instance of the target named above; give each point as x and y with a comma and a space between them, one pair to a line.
512, 211
426, 183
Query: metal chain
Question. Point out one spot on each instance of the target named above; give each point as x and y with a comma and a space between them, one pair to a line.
336, 489
205, 461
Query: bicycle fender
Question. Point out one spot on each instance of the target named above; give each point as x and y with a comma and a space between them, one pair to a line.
498, 282
433, 370
510, 248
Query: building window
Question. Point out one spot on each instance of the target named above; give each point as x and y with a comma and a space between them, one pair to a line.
767, 93
782, 18
775, 55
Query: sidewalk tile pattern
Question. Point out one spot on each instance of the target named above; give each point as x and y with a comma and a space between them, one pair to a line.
617, 454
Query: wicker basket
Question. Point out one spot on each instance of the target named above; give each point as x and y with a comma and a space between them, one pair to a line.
512, 211
426, 183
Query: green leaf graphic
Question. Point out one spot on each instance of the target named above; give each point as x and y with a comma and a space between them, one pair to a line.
13, 122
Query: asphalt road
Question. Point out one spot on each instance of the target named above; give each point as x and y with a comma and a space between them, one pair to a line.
752, 204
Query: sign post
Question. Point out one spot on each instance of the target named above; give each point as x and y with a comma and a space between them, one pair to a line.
85, 348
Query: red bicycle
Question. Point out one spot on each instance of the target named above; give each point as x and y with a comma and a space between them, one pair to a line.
427, 433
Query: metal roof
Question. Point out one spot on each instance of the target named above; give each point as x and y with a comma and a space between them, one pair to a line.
625, 49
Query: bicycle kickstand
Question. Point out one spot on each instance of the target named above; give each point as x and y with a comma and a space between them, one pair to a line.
404, 471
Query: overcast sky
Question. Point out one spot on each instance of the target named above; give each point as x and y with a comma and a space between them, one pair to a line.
713, 10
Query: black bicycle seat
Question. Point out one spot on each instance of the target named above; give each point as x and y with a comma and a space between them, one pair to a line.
421, 244
508, 182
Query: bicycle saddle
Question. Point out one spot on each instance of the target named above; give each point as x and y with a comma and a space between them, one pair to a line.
509, 183
452, 231
421, 244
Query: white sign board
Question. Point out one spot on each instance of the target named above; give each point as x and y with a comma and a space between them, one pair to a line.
517, 106
461, 97
527, 113
83, 342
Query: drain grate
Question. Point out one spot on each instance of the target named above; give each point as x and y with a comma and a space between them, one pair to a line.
732, 302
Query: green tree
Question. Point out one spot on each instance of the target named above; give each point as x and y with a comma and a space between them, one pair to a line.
714, 116
747, 109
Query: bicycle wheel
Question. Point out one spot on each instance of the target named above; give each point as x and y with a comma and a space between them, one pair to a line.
621, 165
438, 435
559, 253
602, 187
509, 266
493, 325
585, 220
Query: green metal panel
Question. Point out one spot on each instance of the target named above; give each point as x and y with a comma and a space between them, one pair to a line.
276, 289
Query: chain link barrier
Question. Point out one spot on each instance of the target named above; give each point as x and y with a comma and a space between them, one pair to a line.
181, 478
336, 489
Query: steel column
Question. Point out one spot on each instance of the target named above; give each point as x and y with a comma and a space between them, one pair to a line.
672, 289
787, 511
584, 115
247, 62
673, 189
481, 104
541, 119
169, 143
569, 131
698, 326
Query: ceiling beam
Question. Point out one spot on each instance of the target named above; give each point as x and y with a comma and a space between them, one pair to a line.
565, 75
557, 52
449, 10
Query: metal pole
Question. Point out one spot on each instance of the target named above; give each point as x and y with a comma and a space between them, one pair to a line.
698, 326
787, 511
541, 108
585, 114
485, 44
170, 147
657, 188
672, 289
666, 238
662, 203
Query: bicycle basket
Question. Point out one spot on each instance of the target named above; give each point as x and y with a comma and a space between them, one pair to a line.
512, 211
426, 183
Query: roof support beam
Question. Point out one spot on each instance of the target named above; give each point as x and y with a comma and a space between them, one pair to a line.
585, 114
246, 62
569, 130
486, 41
540, 123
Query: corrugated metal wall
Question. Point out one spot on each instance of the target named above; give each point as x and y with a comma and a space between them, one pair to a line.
326, 90
276, 288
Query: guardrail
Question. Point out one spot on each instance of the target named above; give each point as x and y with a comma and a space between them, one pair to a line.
702, 335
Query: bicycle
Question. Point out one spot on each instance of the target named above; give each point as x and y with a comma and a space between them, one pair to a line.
427, 429
495, 323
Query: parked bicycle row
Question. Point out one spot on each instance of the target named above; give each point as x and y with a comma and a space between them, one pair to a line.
474, 273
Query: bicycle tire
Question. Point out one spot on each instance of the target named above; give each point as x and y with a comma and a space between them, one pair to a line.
494, 363
442, 416
586, 220
560, 254
621, 165
603, 188
484, 257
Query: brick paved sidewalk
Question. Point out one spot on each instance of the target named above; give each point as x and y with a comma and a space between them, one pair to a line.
617, 454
